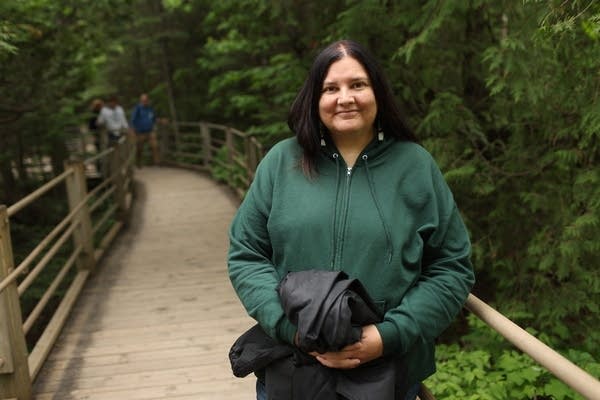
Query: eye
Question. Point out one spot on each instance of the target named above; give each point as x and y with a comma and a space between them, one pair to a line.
359, 85
329, 89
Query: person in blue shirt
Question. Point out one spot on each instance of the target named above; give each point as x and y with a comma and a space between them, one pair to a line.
142, 122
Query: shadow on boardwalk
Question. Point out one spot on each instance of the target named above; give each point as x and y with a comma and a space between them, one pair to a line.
158, 316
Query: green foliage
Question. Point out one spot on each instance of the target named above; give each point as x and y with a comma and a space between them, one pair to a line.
7, 37
218, 171
476, 375
497, 373
254, 74
44, 75
230, 173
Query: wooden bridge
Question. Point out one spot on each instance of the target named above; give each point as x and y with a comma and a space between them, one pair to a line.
154, 317
158, 316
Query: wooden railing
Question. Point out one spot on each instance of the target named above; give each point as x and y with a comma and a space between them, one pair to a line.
95, 217
229, 154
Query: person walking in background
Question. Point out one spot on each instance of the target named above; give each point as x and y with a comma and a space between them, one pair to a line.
142, 121
352, 192
93, 127
95, 132
112, 118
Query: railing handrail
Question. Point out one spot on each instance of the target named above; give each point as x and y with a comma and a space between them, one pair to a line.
569, 373
243, 150
39, 192
100, 155
30, 198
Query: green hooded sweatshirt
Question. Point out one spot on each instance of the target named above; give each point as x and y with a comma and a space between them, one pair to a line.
390, 221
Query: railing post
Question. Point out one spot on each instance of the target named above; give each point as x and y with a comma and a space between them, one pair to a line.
255, 157
247, 147
250, 158
103, 140
162, 137
15, 381
116, 168
206, 145
229, 145
176, 134
128, 159
76, 192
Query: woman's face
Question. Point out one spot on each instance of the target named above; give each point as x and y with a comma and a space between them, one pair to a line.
347, 104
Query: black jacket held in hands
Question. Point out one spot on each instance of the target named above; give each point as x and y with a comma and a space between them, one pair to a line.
329, 310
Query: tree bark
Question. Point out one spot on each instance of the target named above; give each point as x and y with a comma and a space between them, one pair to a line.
168, 81
9, 188
167, 70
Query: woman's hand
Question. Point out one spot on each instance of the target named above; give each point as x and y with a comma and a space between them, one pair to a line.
368, 348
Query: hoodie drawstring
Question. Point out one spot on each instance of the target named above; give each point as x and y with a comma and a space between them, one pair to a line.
388, 236
336, 157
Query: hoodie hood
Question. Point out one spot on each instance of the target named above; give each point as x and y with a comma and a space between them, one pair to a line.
375, 150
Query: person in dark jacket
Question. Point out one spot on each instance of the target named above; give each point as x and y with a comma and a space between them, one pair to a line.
92, 121
143, 119
354, 192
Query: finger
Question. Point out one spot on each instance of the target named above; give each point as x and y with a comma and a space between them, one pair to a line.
352, 347
347, 363
336, 356
346, 352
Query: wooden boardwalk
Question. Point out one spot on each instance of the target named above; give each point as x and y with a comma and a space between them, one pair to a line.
158, 316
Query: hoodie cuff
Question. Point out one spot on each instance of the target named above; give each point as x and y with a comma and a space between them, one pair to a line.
286, 331
390, 338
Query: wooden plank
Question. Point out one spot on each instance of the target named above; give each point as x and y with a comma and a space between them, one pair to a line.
213, 389
46, 341
115, 363
171, 327
116, 343
157, 318
107, 240
206, 373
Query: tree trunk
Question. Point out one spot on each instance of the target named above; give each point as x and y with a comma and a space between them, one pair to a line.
21, 170
9, 188
166, 69
169, 81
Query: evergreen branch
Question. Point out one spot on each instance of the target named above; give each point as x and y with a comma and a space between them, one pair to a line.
500, 171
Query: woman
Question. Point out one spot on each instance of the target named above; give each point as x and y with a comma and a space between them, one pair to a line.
354, 192
93, 127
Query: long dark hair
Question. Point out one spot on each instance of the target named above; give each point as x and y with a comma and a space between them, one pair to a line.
303, 118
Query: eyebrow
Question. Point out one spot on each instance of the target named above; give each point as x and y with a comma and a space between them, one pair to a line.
355, 79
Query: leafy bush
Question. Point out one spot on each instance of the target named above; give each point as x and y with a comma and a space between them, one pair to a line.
489, 368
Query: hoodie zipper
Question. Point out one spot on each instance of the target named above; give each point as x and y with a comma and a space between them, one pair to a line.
339, 242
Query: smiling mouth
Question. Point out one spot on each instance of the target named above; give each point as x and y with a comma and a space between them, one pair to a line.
345, 112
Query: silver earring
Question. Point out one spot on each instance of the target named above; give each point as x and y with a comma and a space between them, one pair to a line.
321, 129
379, 132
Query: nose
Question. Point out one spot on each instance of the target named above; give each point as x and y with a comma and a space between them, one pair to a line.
345, 97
